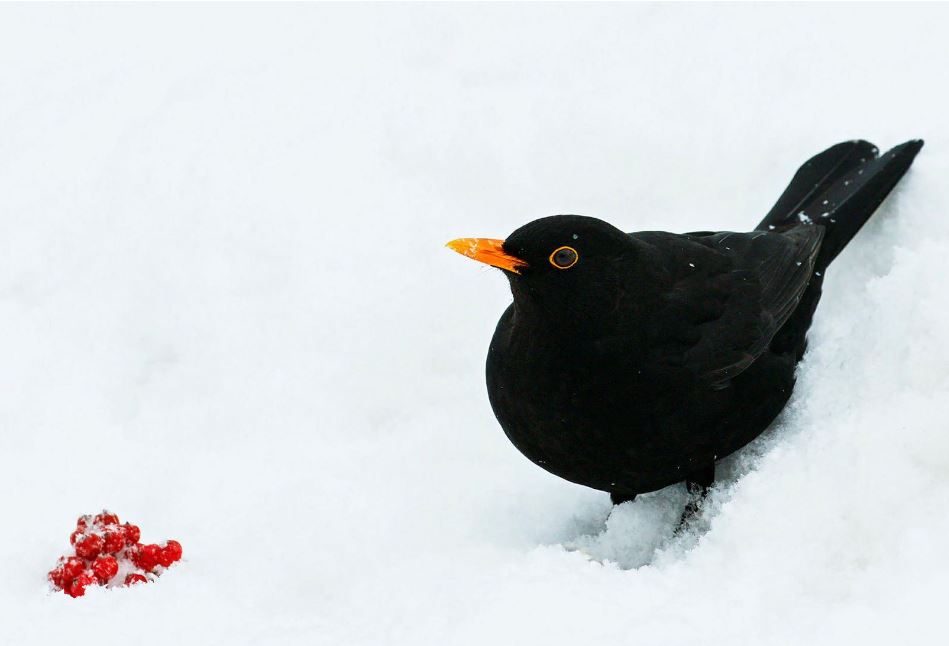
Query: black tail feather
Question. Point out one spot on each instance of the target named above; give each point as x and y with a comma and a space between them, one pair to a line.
840, 189
815, 176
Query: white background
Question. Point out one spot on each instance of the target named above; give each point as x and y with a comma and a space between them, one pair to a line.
226, 314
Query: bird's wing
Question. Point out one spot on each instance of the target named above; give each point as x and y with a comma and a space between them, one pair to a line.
728, 296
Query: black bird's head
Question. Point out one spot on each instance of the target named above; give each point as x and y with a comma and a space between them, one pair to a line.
562, 265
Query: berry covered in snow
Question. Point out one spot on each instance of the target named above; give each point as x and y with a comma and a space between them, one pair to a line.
78, 586
132, 534
146, 556
105, 567
170, 553
103, 548
72, 568
56, 577
114, 541
106, 518
89, 547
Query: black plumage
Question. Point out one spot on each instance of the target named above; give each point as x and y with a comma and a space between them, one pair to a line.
629, 362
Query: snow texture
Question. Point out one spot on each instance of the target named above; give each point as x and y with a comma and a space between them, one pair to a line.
227, 313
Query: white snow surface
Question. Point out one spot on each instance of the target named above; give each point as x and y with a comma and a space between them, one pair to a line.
227, 314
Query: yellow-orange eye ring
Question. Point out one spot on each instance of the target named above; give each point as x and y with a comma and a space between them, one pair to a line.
564, 257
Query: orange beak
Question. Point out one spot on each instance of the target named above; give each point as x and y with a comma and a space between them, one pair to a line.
488, 251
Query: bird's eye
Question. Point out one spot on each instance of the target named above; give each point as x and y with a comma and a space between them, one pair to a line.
564, 257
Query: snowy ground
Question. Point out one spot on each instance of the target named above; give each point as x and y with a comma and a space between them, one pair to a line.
227, 314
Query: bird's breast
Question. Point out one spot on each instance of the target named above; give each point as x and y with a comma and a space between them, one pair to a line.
596, 417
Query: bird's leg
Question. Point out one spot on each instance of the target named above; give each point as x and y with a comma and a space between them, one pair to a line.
620, 498
698, 484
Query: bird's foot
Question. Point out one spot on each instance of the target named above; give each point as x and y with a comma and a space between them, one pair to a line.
691, 511
698, 486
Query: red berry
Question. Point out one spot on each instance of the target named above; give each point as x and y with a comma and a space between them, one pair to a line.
165, 558
103, 547
106, 518
104, 568
173, 548
78, 587
132, 534
72, 567
146, 557
89, 547
114, 541
56, 577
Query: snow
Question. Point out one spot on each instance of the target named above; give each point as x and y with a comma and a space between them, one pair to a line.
228, 315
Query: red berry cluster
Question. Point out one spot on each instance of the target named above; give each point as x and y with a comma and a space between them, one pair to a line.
104, 548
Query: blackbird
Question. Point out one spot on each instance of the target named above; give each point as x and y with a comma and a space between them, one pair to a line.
632, 361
